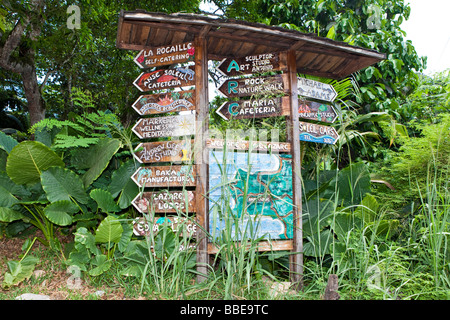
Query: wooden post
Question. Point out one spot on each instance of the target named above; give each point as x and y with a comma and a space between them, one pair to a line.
201, 154
296, 259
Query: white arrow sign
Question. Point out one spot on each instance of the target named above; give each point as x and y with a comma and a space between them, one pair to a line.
316, 90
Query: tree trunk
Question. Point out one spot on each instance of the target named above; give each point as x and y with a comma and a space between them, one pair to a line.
32, 90
28, 26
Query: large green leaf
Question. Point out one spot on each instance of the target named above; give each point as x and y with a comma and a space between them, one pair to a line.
109, 230
353, 183
345, 223
7, 143
62, 184
104, 200
122, 185
60, 212
95, 158
19, 271
9, 215
28, 159
9, 191
102, 264
318, 244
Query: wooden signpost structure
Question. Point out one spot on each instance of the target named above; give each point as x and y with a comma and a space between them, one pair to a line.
244, 49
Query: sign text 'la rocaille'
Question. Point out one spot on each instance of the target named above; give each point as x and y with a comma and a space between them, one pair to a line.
165, 55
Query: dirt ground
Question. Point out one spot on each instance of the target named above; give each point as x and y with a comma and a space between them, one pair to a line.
50, 278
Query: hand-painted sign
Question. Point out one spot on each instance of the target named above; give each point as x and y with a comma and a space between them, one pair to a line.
262, 146
165, 102
160, 56
165, 201
316, 90
164, 176
312, 110
255, 86
184, 226
255, 108
163, 151
258, 63
165, 79
172, 126
257, 198
317, 133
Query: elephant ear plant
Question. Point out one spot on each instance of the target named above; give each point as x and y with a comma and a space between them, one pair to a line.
48, 188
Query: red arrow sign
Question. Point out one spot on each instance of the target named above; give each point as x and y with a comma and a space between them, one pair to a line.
165, 79
160, 56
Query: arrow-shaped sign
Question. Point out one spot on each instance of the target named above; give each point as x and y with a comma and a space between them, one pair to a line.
316, 90
165, 102
172, 126
257, 108
160, 56
164, 151
165, 201
312, 110
312, 132
258, 63
164, 176
165, 79
255, 86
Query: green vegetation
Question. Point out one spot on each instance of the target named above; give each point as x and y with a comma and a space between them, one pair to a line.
376, 206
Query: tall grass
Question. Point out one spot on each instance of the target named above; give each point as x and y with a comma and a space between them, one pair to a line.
433, 226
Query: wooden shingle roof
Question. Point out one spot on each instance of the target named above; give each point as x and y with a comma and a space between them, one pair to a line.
232, 38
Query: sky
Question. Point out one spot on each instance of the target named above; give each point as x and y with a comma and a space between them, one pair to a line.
428, 29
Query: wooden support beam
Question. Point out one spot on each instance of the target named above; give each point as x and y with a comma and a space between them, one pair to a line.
201, 154
296, 259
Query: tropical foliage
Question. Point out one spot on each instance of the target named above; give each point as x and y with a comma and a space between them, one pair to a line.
376, 205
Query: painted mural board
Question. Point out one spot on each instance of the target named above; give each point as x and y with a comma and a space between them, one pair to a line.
165, 79
165, 201
257, 63
164, 176
317, 133
255, 86
268, 205
165, 102
318, 111
170, 126
315, 89
165, 55
254, 108
164, 151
